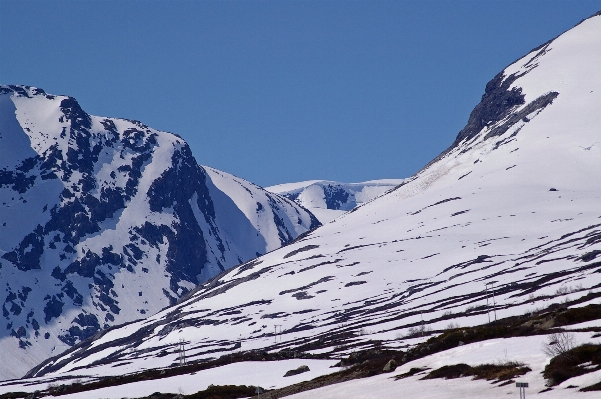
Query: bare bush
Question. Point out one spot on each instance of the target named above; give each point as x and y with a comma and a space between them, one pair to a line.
562, 290
470, 308
365, 331
534, 311
418, 331
558, 344
452, 325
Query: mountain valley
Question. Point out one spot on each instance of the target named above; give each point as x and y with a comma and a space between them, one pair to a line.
451, 283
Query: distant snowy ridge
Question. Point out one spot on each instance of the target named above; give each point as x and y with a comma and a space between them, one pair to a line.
105, 220
329, 199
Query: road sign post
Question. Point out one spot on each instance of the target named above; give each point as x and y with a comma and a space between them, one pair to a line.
522, 386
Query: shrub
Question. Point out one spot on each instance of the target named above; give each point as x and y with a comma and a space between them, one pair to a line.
450, 372
577, 361
418, 331
558, 344
412, 372
452, 325
365, 331
15, 395
578, 315
224, 392
562, 290
499, 372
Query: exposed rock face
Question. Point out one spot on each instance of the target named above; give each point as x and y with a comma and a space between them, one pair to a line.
105, 220
502, 107
390, 366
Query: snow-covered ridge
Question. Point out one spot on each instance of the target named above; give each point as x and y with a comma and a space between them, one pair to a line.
330, 199
105, 220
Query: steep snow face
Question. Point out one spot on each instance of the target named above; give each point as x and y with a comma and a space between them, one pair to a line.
257, 221
328, 199
512, 205
105, 220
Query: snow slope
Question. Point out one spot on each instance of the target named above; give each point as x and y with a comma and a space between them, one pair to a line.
512, 205
105, 220
328, 199
519, 349
268, 375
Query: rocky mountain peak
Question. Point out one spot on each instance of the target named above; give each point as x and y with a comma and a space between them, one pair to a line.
105, 220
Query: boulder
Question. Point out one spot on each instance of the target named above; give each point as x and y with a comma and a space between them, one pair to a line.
390, 366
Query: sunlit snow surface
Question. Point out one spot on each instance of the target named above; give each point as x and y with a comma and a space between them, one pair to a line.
268, 375
516, 204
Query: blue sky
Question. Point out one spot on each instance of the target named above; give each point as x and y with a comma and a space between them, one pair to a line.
282, 91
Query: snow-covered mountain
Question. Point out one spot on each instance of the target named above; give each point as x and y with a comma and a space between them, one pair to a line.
511, 208
328, 199
104, 220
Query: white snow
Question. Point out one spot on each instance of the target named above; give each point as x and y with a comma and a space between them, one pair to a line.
526, 350
517, 213
32, 126
268, 374
329, 199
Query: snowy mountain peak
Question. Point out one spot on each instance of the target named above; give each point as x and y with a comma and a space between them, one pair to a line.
104, 220
329, 199
560, 72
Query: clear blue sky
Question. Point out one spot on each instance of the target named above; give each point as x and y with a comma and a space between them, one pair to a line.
282, 91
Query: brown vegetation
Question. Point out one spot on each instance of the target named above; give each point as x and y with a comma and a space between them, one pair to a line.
578, 361
496, 372
413, 371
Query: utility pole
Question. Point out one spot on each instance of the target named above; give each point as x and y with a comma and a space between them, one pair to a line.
487, 305
494, 308
494, 302
182, 353
275, 334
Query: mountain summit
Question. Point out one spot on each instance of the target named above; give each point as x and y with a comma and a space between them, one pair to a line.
329, 199
105, 220
511, 208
